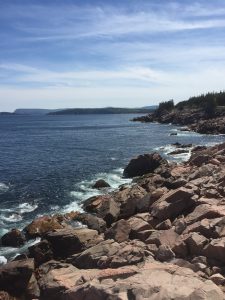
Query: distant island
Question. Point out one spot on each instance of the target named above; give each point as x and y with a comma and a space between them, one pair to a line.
105, 110
82, 111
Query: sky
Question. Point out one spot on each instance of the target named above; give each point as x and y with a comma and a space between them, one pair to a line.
92, 53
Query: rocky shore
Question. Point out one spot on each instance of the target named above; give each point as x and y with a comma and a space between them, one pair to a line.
194, 120
163, 237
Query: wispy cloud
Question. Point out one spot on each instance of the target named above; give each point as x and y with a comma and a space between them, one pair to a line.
145, 50
111, 23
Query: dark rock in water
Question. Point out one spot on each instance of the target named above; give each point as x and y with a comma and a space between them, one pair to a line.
41, 252
179, 151
179, 145
100, 184
176, 144
143, 164
15, 276
13, 238
198, 148
173, 133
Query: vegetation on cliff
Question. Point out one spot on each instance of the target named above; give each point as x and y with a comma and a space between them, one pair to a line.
203, 114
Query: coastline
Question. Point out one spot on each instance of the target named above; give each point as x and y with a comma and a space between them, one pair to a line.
169, 218
193, 120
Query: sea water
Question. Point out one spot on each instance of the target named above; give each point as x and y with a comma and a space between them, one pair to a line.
48, 164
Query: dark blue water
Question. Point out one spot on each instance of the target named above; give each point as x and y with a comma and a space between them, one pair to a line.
48, 163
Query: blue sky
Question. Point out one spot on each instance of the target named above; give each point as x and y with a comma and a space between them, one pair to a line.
56, 54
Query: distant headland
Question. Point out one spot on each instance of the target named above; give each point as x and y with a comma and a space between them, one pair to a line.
82, 111
204, 114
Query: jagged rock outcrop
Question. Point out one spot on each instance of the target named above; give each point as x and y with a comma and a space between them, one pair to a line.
65, 242
100, 184
13, 238
163, 237
143, 164
151, 281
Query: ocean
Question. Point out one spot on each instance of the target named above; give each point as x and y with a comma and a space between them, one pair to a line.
48, 164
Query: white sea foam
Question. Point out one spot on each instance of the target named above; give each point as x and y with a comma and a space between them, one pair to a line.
13, 252
3, 187
175, 157
12, 218
83, 190
73, 206
3, 260
27, 207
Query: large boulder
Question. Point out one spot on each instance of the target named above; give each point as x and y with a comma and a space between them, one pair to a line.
165, 253
42, 225
100, 184
143, 164
110, 254
13, 238
195, 243
173, 204
215, 250
92, 222
104, 206
199, 159
210, 228
152, 280
205, 211
140, 229
41, 252
55, 278
163, 237
131, 200
65, 242
119, 231
15, 276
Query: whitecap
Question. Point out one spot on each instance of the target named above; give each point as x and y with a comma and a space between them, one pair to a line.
3, 187
83, 190
3, 260
27, 207
73, 206
182, 156
12, 218
10, 252
175, 157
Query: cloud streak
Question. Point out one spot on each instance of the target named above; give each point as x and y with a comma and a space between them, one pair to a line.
111, 51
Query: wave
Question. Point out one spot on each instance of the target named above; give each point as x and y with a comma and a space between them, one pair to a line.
27, 207
184, 133
11, 253
83, 190
3, 187
175, 157
12, 218
3, 260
